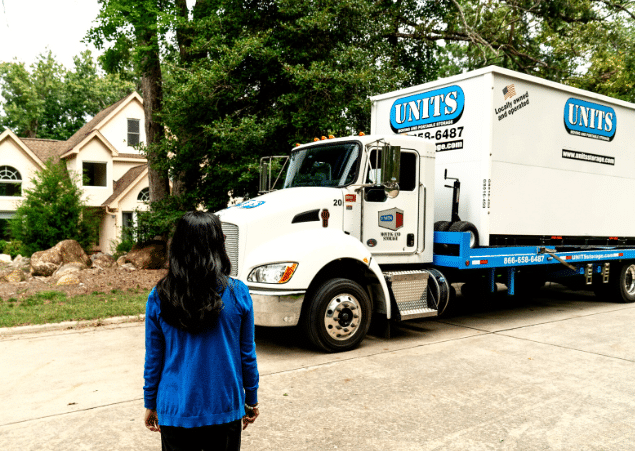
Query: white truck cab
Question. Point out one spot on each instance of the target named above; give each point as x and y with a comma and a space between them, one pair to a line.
322, 250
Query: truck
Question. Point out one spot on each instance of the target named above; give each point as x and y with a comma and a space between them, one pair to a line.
489, 177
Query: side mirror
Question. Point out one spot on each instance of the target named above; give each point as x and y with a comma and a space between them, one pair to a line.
390, 164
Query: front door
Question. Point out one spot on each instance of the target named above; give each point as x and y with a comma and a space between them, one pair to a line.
389, 226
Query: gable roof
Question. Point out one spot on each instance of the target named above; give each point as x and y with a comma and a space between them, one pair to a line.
45, 148
9, 134
125, 183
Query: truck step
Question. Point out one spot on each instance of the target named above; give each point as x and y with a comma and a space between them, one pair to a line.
410, 292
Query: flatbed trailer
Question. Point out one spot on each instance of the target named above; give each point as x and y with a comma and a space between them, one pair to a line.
608, 270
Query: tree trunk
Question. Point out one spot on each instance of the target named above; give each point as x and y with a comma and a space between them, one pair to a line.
151, 88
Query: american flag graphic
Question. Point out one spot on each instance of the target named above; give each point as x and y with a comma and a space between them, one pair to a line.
509, 91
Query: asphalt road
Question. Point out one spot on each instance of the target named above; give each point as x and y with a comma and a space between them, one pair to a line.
553, 373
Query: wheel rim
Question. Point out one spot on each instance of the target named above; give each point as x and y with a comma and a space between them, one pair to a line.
342, 317
629, 280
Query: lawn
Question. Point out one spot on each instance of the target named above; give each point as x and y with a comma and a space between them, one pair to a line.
55, 306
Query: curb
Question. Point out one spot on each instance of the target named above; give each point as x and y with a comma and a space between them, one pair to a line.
69, 325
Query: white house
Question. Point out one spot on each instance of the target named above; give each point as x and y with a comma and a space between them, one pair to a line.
115, 174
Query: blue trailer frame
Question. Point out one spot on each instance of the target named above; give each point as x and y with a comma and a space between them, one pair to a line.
584, 262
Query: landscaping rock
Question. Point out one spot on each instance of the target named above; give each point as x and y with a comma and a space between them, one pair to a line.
21, 262
103, 260
71, 252
152, 255
68, 279
45, 263
128, 267
17, 275
5, 258
121, 260
69, 268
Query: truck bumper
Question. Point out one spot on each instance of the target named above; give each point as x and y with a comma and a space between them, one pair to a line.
277, 308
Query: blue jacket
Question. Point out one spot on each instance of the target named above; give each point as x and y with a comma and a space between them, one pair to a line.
194, 380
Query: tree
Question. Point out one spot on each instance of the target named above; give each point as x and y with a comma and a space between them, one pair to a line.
53, 211
134, 24
49, 101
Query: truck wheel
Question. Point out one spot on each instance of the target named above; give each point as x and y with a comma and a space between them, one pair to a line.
464, 226
442, 226
337, 315
624, 286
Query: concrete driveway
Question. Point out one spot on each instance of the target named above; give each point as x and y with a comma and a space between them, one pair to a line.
553, 373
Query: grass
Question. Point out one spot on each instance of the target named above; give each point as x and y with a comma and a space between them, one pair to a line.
55, 306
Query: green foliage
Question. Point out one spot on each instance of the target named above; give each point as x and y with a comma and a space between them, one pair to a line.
159, 220
53, 211
241, 80
48, 101
12, 248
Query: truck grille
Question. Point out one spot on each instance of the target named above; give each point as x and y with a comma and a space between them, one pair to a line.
231, 245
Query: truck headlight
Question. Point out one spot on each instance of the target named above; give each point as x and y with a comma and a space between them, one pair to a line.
273, 273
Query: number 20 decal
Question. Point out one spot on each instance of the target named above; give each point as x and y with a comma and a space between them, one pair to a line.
337, 202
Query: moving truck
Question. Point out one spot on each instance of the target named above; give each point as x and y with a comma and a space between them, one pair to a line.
484, 178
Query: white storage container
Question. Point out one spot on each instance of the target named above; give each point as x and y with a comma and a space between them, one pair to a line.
535, 159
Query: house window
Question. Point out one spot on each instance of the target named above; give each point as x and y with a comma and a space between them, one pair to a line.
10, 182
127, 219
127, 225
95, 174
133, 132
144, 195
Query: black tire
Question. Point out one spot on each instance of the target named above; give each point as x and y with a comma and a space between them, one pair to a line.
340, 333
464, 226
442, 226
622, 288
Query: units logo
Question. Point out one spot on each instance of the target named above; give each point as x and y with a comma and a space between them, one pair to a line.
391, 219
436, 108
589, 120
251, 204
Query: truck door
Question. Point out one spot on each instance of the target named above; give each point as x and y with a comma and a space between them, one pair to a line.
389, 226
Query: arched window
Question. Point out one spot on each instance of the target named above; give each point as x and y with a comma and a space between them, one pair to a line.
144, 195
10, 182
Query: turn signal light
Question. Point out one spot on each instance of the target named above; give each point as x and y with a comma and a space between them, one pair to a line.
362, 134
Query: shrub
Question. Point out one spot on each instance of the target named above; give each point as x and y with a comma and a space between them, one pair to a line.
53, 211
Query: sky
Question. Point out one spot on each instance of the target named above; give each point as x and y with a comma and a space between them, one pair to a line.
31, 27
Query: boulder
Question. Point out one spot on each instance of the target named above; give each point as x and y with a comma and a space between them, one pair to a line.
45, 263
103, 260
15, 276
68, 279
151, 255
21, 262
5, 258
69, 268
71, 252
128, 267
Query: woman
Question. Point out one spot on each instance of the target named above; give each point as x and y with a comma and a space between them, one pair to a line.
201, 375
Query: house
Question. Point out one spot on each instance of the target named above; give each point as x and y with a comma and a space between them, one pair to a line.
115, 173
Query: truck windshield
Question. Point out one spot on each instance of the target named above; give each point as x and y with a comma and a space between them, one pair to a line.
332, 165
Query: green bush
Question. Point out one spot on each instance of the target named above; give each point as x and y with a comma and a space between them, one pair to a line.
13, 248
53, 211
159, 220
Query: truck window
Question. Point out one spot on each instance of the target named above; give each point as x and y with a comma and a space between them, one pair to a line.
333, 165
407, 174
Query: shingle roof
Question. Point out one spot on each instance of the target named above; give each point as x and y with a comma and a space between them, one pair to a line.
124, 182
132, 155
90, 125
45, 148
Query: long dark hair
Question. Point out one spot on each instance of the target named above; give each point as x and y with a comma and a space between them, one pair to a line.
190, 293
